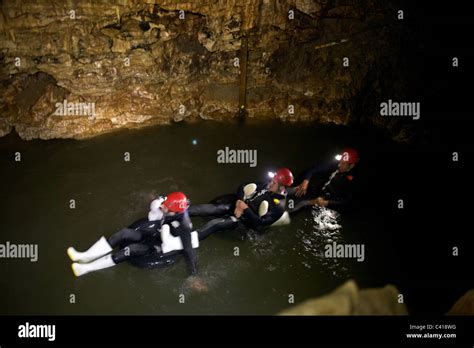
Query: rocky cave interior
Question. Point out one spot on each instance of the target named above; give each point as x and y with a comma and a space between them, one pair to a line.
141, 61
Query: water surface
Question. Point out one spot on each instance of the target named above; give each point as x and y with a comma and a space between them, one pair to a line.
110, 193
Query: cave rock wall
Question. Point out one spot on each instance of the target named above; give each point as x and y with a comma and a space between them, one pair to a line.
74, 69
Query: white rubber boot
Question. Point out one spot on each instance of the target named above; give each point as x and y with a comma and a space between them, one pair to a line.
249, 190
80, 269
100, 248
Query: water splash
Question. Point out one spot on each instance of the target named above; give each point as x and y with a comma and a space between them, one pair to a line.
325, 228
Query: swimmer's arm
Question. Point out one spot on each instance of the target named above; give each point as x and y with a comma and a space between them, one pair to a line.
189, 251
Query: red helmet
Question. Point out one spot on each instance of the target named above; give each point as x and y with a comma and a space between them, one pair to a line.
176, 202
349, 155
284, 176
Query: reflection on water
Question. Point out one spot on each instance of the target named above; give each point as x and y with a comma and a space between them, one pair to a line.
321, 229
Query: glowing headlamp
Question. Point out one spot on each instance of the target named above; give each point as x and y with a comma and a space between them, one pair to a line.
338, 157
271, 175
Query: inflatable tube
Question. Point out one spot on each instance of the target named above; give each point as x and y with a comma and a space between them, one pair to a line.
229, 198
155, 259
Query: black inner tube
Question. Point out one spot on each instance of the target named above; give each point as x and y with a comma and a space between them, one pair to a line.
155, 259
229, 198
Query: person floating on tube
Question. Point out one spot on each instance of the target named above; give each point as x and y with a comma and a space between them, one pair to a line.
167, 229
255, 206
328, 185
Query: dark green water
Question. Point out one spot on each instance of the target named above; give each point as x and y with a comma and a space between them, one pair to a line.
111, 193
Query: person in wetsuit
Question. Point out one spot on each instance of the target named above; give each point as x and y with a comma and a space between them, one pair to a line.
255, 206
145, 240
333, 184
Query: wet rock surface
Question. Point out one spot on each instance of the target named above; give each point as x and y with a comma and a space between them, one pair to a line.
155, 62
464, 305
348, 299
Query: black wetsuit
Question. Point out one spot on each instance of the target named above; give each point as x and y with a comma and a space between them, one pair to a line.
250, 217
146, 239
327, 182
